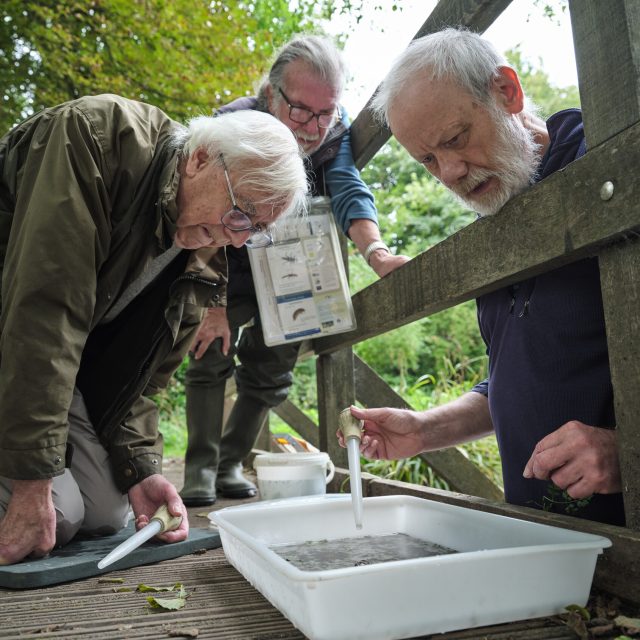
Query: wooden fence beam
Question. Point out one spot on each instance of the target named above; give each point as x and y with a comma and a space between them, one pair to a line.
336, 390
607, 42
555, 222
299, 421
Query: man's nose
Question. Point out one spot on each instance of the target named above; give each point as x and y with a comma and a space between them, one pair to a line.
238, 238
452, 169
311, 126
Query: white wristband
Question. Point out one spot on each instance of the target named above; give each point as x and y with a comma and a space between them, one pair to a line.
374, 246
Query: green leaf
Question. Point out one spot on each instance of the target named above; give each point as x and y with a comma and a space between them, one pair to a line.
172, 604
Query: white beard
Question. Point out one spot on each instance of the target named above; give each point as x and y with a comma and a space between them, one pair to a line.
516, 158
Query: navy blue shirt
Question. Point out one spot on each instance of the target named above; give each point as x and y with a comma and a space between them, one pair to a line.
548, 358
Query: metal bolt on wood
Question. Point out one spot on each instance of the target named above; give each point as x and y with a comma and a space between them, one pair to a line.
606, 190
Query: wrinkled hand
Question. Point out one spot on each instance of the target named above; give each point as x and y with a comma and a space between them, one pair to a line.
148, 496
578, 458
388, 433
29, 525
214, 325
383, 263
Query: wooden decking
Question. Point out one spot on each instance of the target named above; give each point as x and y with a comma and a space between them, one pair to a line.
221, 604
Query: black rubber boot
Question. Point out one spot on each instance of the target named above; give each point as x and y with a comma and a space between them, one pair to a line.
243, 426
205, 409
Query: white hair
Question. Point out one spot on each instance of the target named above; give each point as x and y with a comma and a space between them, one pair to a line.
319, 53
261, 152
455, 54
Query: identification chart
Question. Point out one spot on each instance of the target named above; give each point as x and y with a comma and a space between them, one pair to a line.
300, 280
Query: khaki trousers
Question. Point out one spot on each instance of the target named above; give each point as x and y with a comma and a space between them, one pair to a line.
85, 496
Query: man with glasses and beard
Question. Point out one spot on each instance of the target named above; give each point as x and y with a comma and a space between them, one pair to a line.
454, 103
302, 90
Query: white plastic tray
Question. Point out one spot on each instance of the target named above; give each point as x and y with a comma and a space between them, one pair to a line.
505, 569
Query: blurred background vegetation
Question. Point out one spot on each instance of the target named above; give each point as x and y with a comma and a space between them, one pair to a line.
188, 57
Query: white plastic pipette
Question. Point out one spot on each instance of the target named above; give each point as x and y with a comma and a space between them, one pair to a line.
355, 480
161, 521
352, 432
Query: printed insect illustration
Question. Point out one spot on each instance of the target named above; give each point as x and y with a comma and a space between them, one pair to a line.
289, 257
290, 275
298, 312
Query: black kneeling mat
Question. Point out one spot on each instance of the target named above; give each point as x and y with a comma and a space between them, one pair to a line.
79, 559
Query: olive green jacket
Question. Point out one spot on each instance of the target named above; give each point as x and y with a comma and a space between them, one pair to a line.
87, 199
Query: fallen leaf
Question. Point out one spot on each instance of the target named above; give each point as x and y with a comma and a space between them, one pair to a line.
173, 604
630, 625
575, 622
581, 611
144, 588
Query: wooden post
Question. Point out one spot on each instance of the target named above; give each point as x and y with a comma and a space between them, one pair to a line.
606, 37
336, 390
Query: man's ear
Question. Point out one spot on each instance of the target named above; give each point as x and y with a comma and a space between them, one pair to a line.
508, 91
268, 92
197, 161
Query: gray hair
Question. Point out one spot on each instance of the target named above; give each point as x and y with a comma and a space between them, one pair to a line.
456, 54
319, 53
259, 149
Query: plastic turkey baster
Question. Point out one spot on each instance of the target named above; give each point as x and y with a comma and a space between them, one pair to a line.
161, 521
352, 432
355, 480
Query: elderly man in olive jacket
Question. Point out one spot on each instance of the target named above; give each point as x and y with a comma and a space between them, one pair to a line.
111, 221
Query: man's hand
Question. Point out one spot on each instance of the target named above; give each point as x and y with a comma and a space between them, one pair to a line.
214, 325
149, 495
388, 433
578, 458
29, 525
383, 262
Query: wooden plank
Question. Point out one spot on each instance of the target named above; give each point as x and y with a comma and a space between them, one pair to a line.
366, 135
533, 233
606, 37
336, 390
620, 277
299, 421
461, 474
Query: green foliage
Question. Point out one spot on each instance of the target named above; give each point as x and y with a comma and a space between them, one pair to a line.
538, 88
186, 57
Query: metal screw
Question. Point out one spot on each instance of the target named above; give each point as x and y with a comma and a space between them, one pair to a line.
606, 190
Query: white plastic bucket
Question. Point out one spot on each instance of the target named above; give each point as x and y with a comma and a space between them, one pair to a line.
288, 475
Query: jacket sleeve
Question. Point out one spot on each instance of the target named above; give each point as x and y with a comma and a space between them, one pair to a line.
59, 238
135, 448
351, 199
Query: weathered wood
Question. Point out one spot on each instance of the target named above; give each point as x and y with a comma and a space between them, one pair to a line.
557, 221
367, 136
336, 390
606, 37
299, 421
461, 474
620, 277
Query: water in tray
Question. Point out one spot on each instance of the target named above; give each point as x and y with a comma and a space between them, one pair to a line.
321, 555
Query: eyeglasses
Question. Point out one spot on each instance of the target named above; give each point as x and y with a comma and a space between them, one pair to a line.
302, 115
237, 220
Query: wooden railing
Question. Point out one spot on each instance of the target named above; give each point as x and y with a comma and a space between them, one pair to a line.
566, 217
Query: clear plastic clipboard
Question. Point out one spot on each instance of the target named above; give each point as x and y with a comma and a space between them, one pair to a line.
300, 281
